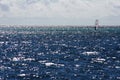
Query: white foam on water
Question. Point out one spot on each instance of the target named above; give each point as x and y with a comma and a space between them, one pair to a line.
77, 65
2, 67
118, 51
1, 42
16, 59
53, 64
59, 65
55, 52
49, 64
22, 75
65, 45
99, 60
42, 61
90, 53
29, 59
113, 57
23, 64
118, 77
26, 42
77, 59
117, 67
40, 53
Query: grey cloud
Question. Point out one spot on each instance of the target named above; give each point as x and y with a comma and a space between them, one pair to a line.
117, 7
4, 7
44, 1
31, 1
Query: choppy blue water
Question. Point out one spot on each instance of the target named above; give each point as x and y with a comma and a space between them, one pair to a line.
59, 54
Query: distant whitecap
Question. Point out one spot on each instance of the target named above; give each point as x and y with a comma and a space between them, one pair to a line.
77, 65
49, 64
1, 42
29, 59
22, 75
99, 60
16, 59
91, 53
117, 67
54, 64
42, 61
118, 51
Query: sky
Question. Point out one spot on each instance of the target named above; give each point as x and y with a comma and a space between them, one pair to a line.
59, 12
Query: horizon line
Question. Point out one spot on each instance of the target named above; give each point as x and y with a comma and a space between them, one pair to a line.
64, 25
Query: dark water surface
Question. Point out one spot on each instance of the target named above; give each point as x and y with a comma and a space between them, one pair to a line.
59, 54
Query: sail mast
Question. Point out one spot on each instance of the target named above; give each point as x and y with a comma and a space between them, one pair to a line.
96, 24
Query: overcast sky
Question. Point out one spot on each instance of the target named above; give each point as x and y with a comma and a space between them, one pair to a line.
59, 12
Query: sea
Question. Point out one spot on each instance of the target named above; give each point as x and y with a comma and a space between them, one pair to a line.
59, 53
